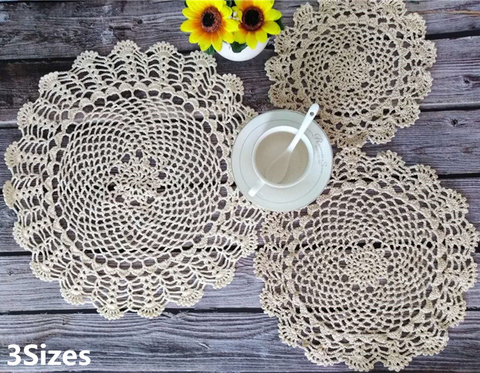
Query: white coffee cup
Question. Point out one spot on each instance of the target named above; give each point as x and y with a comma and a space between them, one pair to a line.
269, 146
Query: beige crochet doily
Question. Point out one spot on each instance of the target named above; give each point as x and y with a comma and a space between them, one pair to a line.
122, 184
375, 270
366, 62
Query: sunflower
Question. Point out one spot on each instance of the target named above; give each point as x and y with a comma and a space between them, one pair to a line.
257, 21
209, 23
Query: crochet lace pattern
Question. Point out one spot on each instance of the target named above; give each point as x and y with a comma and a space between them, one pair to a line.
375, 270
122, 183
366, 62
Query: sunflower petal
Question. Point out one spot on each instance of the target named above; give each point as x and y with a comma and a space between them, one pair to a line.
243, 4
226, 12
217, 42
204, 47
197, 5
195, 37
190, 13
237, 13
239, 6
261, 36
271, 27
264, 5
189, 26
228, 37
231, 25
273, 15
240, 36
206, 38
219, 4
251, 40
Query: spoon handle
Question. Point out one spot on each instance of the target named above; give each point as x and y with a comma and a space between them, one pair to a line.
311, 114
257, 188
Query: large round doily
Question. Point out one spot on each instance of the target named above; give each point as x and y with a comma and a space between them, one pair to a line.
364, 61
375, 270
122, 184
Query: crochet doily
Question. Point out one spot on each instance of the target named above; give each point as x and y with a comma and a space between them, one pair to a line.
366, 62
122, 184
375, 270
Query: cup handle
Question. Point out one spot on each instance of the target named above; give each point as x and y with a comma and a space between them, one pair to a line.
257, 188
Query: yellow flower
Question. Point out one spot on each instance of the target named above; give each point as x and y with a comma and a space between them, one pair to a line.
257, 21
209, 23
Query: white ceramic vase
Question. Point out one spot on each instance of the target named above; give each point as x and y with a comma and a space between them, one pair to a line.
245, 55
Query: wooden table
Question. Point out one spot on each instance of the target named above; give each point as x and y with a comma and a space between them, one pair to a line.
227, 330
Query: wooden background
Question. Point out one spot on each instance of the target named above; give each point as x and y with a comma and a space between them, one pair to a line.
227, 330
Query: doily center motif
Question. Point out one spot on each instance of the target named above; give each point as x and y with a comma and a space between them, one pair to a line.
366, 268
375, 270
153, 169
122, 183
365, 62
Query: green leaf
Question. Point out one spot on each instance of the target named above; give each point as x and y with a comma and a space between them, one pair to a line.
210, 50
230, 3
237, 48
280, 23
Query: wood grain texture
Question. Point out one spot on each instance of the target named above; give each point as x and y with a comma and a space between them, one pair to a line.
469, 187
32, 30
447, 16
227, 330
221, 342
448, 141
445, 140
456, 79
21, 291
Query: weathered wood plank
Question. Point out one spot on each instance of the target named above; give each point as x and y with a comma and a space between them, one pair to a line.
241, 342
446, 16
7, 219
31, 30
456, 74
246, 341
7, 136
19, 84
456, 79
447, 141
21, 291
468, 187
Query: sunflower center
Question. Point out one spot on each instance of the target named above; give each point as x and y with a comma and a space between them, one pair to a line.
211, 19
252, 18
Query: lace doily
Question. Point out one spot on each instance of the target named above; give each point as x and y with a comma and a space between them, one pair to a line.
364, 61
375, 270
122, 184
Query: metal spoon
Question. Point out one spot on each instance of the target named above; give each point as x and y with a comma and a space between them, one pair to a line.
277, 170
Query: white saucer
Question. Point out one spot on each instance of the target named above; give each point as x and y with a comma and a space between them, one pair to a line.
281, 199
